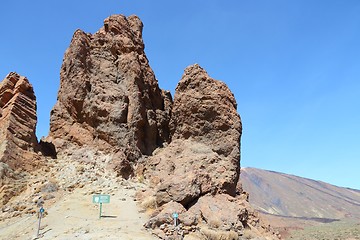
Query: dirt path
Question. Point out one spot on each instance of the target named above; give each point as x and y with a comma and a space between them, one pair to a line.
76, 217
70, 213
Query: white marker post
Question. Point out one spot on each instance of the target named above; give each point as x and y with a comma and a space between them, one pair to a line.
41, 211
175, 216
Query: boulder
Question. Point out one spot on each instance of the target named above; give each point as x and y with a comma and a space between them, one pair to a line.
165, 216
221, 212
121, 165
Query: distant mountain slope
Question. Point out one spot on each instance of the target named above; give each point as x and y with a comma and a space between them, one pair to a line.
289, 195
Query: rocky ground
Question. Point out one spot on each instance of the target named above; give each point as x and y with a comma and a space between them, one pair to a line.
66, 185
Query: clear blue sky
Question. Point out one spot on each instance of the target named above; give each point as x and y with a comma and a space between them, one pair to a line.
294, 67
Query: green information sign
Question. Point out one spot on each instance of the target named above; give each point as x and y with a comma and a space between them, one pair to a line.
101, 198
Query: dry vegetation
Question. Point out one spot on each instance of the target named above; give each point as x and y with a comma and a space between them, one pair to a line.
343, 230
219, 235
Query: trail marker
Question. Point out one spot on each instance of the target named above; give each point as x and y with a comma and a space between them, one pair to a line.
41, 211
101, 198
175, 216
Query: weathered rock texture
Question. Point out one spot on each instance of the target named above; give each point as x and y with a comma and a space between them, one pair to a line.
18, 142
17, 122
188, 151
197, 174
109, 97
204, 153
205, 110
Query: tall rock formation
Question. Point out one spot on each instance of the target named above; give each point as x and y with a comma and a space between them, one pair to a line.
197, 174
187, 151
17, 122
205, 111
109, 98
18, 142
204, 153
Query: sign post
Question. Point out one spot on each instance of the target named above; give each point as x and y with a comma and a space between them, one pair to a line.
100, 199
175, 216
41, 211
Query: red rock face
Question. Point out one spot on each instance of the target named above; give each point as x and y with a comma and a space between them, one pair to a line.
197, 174
109, 100
17, 123
109, 97
205, 110
204, 153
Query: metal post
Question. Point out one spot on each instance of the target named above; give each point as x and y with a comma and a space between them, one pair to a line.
40, 215
100, 210
175, 216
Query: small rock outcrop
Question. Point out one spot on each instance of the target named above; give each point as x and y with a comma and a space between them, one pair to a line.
109, 97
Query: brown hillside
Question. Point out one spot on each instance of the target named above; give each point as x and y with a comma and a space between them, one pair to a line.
292, 196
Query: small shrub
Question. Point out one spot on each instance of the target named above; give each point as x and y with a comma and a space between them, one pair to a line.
248, 234
219, 235
215, 223
149, 203
141, 179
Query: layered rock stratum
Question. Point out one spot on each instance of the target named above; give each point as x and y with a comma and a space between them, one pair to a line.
18, 122
18, 142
